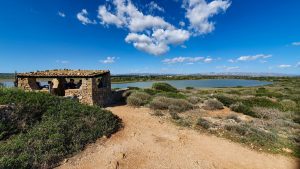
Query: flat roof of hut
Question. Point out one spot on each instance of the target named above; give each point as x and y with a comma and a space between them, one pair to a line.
66, 73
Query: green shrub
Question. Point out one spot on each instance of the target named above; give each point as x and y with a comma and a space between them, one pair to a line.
288, 105
171, 95
158, 113
150, 91
253, 135
176, 105
266, 113
241, 108
189, 88
54, 128
194, 99
212, 104
234, 117
226, 100
138, 99
174, 116
160, 103
164, 87
204, 123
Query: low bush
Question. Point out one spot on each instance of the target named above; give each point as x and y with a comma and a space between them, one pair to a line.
266, 113
176, 105
212, 104
204, 123
160, 103
189, 88
171, 95
226, 100
158, 113
234, 117
241, 108
253, 135
164, 87
174, 116
288, 105
138, 99
194, 99
54, 128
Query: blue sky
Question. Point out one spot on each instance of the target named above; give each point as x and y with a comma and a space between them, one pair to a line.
151, 36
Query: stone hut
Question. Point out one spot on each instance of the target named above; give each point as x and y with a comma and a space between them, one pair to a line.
89, 92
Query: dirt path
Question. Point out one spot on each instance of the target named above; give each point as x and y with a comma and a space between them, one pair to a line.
146, 142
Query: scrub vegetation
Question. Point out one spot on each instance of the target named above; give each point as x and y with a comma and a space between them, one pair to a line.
39, 130
263, 118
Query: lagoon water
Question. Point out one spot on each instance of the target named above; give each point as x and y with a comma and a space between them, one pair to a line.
209, 83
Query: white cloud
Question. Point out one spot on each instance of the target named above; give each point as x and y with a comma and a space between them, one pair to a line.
251, 58
188, 60
127, 15
254, 57
154, 6
284, 66
83, 17
62, 61
298, 64
198, 12
108, 60
228, 68
151, 34
296, 43
61, 14
208, 60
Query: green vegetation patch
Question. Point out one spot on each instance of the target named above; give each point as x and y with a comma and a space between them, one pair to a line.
164, 87
40, 130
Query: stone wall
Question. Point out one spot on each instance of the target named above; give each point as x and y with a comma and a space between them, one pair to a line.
27, 84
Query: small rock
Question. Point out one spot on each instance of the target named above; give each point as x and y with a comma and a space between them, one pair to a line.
287, 150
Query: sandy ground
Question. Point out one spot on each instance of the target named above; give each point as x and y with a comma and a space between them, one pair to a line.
148, 142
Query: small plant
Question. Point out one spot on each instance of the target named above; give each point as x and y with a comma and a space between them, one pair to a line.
266, 113
204, 123
189, 88
158, 113
164, 87
234, 117
164, 103
138, 99
194, 99
288, 105
174, 116
226, 100
212, 104
241, 108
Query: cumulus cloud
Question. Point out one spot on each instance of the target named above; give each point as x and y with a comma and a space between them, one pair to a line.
284, 66
82, 16
199, 12
188, 60
108, 60
296, 43
154, 6
152, 34
61, 14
